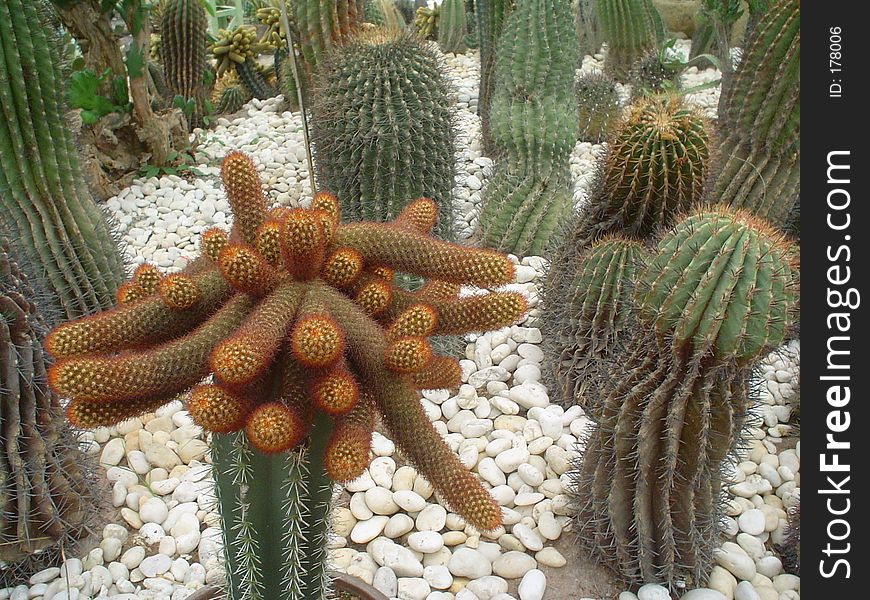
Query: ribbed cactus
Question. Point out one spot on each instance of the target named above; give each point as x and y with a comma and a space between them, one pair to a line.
598, 106
717, 294
791, 547
591, 315
757, 165
491, 15
44, 202
298, 322
588, 27
382, 128
182, 49
47, 487
324, 25
655, 167
229, 95
534, 124
631, 29
452, 27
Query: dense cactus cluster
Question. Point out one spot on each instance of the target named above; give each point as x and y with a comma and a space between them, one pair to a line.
598, 106
631, 29
47, 488
44, 202
757, 164
238, 49
294, 315
452, 27
382, 128
716, 294
182, 51
534, 123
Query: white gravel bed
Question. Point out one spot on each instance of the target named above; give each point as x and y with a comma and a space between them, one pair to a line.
390, 529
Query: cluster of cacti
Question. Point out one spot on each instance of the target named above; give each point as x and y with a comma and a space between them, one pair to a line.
654, 169
44, 202
491, 15
229, 95
323, 25
588, 27
47, 489
238, 49
275, 35
382, 128
598, 106
426, 21
182, 50
533, 123
452, 26
631, 29
716, 294
298, 321
385, 13
757, 164
651, 75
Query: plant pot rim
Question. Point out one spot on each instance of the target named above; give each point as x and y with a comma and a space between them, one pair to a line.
340, 581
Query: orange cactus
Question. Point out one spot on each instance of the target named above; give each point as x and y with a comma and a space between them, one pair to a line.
294, 314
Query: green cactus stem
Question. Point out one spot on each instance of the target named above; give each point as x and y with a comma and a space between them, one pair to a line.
631, 29
452, 27
491, 15
598, 106
182, 50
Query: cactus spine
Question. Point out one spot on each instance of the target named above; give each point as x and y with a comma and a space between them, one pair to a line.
382, 128
323, 25
757, 165
491, 15
631, 29
534, 123
717, 294
598, 106
182, 43
47, 500
44, 202
452, 27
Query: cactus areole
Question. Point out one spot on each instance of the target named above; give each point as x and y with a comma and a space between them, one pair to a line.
293, 315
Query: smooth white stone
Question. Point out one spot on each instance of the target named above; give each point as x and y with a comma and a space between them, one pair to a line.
509, 460
153, 510
488, 587
426, 542
527, 537
745, 591
402, 561
155, 565
432, 518
653, 591
365, 531
112, 452
385, 581
438, 577
512, 565
533, 585
409, 501
466, 562
703, 594
752, 522
382, 470
398, 525
550, 557
413, 588
380, 501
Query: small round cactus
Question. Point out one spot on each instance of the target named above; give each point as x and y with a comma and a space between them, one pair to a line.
598, 106
229, 94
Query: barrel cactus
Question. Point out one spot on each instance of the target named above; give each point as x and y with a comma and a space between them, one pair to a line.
47, 485
452, 27
182, 51
44, 202
534, 124
631, 29
382, 128
757, 165
717, 294
296, 319
229, 95
598, 106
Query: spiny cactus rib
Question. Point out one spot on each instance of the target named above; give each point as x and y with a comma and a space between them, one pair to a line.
294, 348
323, 26
597, 105
244, 193
348, 450
183, 30
442, 372
630, 29
452, 27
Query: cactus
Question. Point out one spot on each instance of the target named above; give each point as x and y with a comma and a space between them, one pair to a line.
47, 486
324, 25
588, 27
757, 165
631, 29
182, 50
452, 27
426, 21
597, 105
298, 322
717, 294
374, 150
238, 49
491, 16
591, 316
534, 123
44, 202
229, 94
651, 75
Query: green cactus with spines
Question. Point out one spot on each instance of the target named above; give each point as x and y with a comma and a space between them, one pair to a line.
588, 27
490, 15
757, 164
655, 167
534, 124
652, 75
323, 25
297, 322
717, 294
452, 27
598, 106
229, 94
182, 50
49, 496
382, 128
631, 29
593, 313
44, 202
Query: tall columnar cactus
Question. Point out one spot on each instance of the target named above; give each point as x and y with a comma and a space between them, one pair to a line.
598, 106
323, 25
44, 201
382, 128
590, 317
47, 488
297, 320
534, 123
452, 27
491, 15
757, 165
631, 29
716, 295
588, 27
182, 50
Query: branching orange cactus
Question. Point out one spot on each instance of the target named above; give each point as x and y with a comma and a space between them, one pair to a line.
293, 314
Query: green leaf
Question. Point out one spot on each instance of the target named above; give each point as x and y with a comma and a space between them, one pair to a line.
209, 7
135, 61
119, 90
83, 92
89, 117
